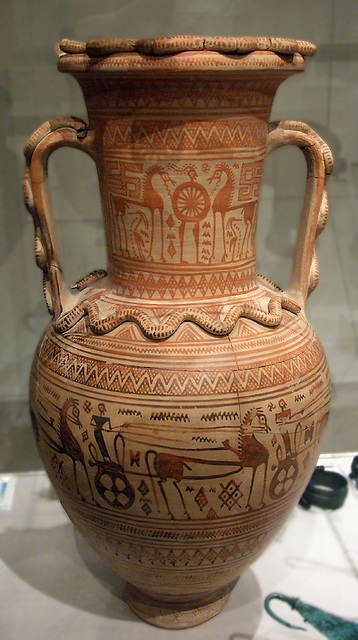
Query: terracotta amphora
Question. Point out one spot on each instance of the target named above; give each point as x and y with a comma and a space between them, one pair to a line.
179, 399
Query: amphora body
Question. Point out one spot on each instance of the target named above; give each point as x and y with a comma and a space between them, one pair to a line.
178, 399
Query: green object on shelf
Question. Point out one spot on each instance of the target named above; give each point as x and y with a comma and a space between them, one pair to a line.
330, 625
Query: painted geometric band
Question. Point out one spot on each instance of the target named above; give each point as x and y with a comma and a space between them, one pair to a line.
240, 98
206, 135
144, 381
170, 286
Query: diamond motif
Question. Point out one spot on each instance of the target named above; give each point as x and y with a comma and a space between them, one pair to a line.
171, 249
192, 286
225, 553
146, 508
211, 556
212, 284
221, 283
143, 488
230, 494
183, 559
203, 285
170, 221
201, 498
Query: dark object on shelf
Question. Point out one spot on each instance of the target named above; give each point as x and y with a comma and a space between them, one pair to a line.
326, 489
331, 626
354, 470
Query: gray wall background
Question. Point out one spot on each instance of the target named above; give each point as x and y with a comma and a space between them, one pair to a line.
32, 91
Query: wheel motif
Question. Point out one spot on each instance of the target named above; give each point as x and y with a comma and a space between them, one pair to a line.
191, 202
283, 479
115, 489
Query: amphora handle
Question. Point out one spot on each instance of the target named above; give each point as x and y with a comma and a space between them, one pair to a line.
315, 207
60, 132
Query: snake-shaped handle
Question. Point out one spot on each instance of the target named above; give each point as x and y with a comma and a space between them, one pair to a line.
59, 132
315, 207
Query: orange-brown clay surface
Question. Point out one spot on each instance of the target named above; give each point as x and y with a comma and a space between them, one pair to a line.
178, 399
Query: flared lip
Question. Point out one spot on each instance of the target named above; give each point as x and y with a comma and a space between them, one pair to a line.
183, 53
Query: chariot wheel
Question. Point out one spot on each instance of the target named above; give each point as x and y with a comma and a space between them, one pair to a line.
191, 202
114, 488
283, 479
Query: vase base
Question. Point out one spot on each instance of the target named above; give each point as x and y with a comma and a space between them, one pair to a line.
179, 614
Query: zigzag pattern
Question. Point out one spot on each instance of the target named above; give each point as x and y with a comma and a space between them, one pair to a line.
266, 342
187, 287
134, 380
206, 96
167, 415
316, 386
195, 557
146, 381
220, 415
130, 412
203, 136
279, 372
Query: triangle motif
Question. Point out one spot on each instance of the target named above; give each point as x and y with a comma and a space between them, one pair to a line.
188, 335
126, 333
246, 330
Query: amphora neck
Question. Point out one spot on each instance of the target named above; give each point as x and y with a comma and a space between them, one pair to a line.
180, 162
